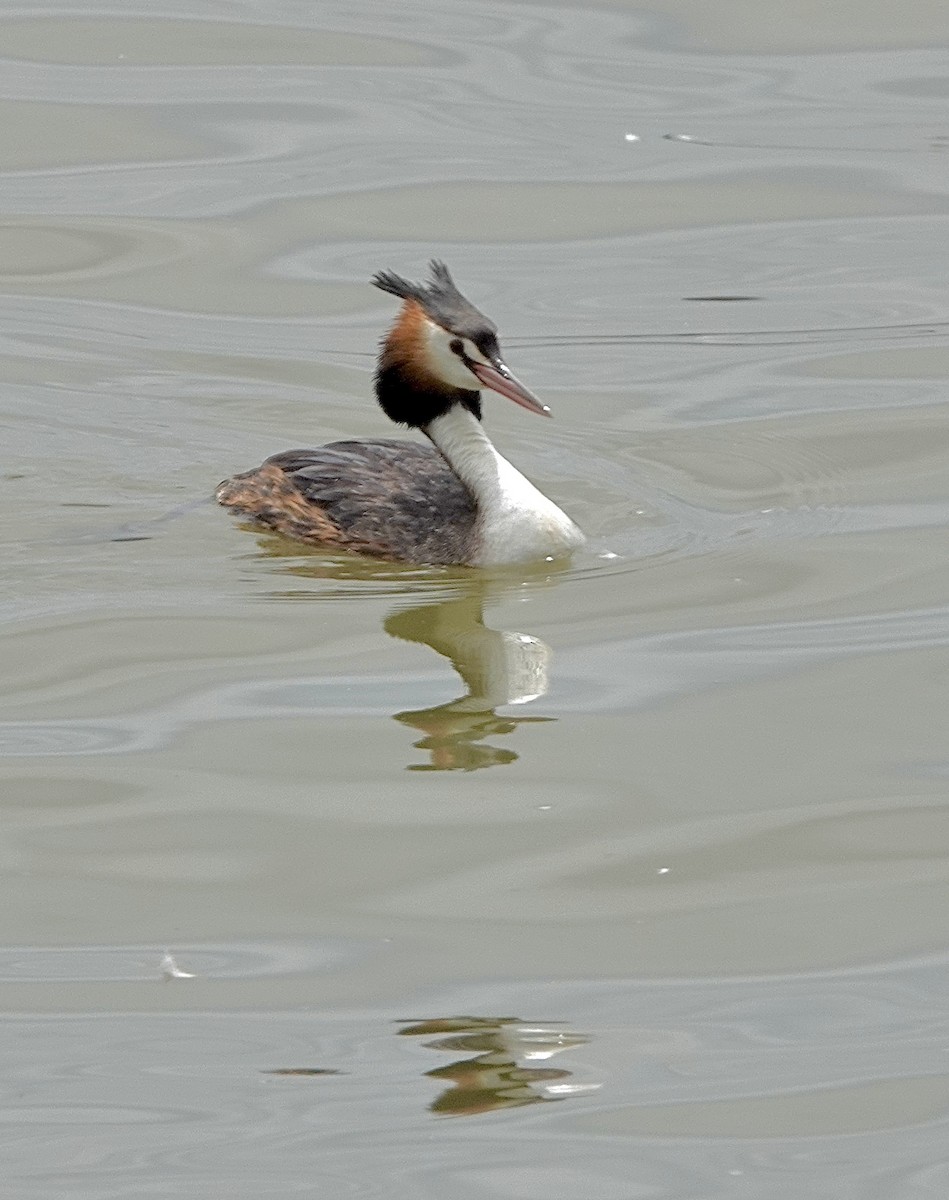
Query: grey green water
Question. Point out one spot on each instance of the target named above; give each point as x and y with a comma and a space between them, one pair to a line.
624, 880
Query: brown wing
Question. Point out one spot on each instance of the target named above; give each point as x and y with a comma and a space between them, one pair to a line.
386, 497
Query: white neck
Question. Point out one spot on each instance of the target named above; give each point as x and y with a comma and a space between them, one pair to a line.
516, 522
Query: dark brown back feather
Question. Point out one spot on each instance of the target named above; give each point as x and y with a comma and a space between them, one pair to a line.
388, 497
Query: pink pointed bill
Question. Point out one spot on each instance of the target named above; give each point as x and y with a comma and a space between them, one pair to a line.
499, 379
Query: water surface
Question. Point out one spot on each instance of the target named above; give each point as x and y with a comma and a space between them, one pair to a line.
636, 870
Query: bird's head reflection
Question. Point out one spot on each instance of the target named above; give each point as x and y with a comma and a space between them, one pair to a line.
497, 667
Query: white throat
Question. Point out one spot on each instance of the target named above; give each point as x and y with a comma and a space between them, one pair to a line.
516, 522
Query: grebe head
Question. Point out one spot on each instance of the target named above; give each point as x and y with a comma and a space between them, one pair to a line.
440, 351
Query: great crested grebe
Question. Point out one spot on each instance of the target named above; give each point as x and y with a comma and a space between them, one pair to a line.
456, 501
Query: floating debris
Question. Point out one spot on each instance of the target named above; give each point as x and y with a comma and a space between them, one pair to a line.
171, 970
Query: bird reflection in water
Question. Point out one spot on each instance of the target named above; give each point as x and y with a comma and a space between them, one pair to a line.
498, 667
499, 1070
494, 1077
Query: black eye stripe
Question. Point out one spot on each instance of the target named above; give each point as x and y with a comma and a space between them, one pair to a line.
457, 346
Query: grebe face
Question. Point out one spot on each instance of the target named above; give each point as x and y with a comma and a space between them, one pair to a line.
463, 363
450, 355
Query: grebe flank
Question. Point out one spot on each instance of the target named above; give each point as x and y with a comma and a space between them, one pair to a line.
454, 501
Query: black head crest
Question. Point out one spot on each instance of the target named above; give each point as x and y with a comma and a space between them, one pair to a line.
440, 299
